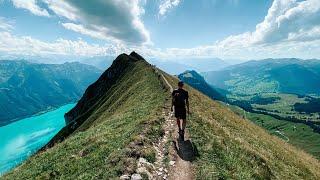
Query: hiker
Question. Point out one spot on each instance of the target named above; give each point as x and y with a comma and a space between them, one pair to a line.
180, 102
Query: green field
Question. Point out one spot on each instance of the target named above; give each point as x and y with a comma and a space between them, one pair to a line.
283, 105
297, 134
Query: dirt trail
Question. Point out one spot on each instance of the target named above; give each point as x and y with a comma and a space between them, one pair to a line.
180, 153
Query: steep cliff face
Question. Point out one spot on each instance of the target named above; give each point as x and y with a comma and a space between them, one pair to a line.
97, 90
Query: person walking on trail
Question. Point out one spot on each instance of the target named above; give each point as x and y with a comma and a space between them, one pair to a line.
180, 102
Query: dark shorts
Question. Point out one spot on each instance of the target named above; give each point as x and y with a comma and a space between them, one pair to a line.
180, 113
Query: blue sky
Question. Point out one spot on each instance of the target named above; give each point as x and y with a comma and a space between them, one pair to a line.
165, 29
200, 22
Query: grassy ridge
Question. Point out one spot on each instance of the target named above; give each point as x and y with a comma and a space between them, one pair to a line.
120, 131
128, 119
232, 147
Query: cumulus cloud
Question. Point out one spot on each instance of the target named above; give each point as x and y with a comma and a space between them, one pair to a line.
291, 28
32, 6
112, 19
287, 17
28, 46
96, 33
12, 46
166, 5
287, 20
62, 9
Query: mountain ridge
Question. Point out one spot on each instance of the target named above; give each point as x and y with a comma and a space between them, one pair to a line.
130, 117
290, 75
106, 80
195, 80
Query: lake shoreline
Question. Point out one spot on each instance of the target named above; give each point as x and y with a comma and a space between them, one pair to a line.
49, 108
22, 139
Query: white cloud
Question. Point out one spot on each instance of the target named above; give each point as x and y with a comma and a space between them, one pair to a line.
16, 45
5, 24
290, 29
30, 5
98, 32
305, 35
286, 17
306, 50
287, 20
63, 9
112, 19
12, 46
166, 5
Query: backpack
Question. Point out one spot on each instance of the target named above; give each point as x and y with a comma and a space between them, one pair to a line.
178, 100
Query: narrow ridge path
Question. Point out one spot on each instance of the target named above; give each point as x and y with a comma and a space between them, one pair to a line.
283, 135
180, 153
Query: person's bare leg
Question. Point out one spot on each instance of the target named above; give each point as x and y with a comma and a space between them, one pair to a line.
184, 124
179, 124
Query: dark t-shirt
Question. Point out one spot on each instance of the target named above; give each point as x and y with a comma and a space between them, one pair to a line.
183, 94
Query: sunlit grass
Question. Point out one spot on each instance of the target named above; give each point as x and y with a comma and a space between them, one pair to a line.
231, 147
122, 129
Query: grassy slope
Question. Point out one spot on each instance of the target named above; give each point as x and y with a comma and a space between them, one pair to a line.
128, 119
232, 147
301, 136
228, 146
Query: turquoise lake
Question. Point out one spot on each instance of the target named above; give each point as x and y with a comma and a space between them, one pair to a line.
23, 138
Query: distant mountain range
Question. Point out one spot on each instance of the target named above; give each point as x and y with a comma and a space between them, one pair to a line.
27, 88
270, 75
180, 65
195, 80
100, 62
